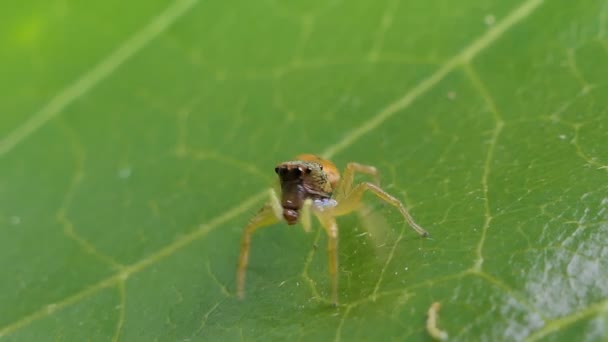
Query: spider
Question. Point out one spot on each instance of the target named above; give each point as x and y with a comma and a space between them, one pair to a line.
312, 185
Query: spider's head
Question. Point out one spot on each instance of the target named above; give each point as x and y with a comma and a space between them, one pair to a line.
310, 175
301, 180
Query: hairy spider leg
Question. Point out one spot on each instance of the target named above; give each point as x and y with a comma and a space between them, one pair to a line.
352, 200
349, 198
271, 213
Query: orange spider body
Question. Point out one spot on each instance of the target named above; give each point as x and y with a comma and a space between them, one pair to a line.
329, 168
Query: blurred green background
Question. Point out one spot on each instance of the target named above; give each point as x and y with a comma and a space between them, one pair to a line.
137, 139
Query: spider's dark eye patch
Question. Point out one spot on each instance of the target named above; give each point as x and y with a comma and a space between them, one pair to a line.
281, 170
276, 169
308, 170
297, 171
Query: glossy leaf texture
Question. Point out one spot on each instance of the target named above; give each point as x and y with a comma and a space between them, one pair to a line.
138, 138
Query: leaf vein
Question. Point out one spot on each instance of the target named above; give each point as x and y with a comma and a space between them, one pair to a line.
96, 75
498, 126
465, 56
112, 280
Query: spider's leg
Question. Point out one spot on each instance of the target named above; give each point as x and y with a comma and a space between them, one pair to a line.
305, 215
269, 214
352, 200
346, 184
331, 228
274, 202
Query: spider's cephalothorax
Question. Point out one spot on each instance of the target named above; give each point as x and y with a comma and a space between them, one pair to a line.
312, 186
301, 180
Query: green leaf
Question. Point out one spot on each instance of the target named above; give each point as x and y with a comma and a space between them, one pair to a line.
138, 138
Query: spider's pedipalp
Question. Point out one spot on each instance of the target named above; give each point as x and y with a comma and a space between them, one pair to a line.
306, 213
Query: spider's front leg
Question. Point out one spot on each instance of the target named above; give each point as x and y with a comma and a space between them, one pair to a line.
271, 213
331, 228
349, 198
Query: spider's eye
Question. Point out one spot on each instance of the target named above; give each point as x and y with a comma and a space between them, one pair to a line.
276, 169
297, 171
308, 170
321, 165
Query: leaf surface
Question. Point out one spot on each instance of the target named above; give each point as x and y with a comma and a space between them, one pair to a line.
137, 139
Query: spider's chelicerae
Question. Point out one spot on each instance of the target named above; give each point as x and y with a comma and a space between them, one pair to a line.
312, 185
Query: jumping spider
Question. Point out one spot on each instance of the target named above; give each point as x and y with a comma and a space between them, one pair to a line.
311, 184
